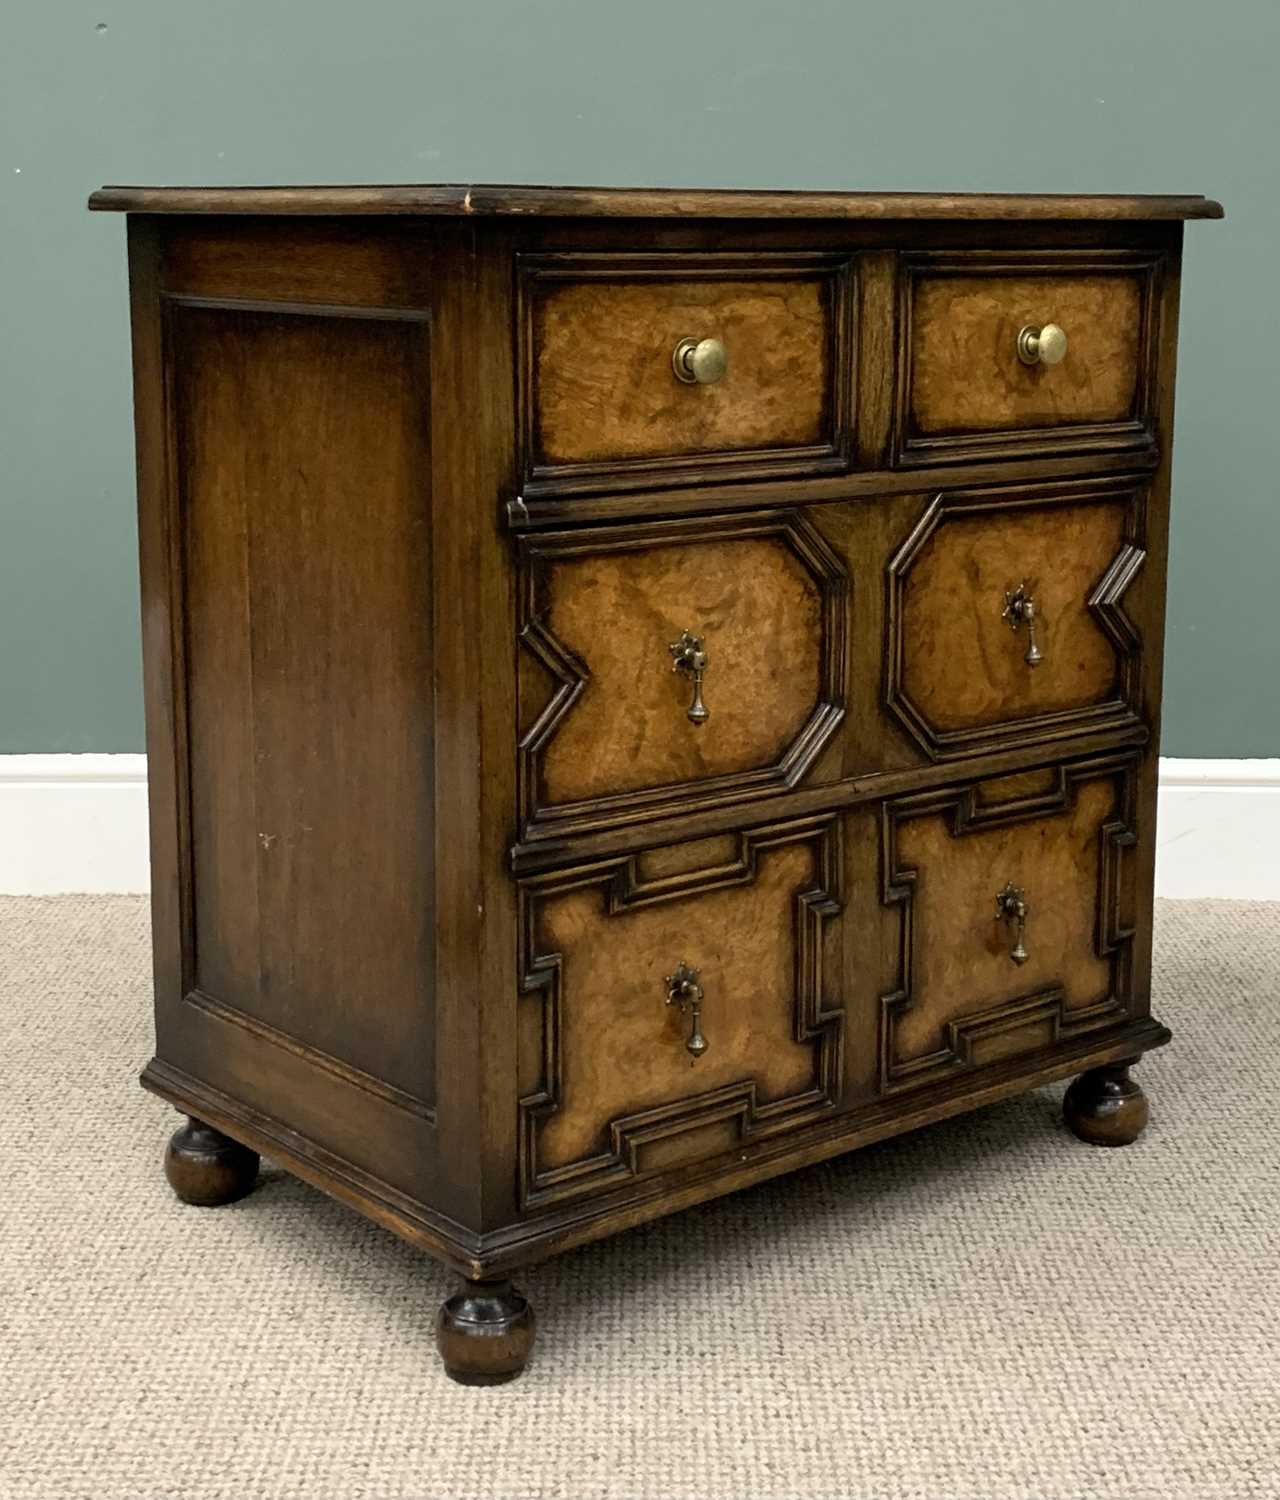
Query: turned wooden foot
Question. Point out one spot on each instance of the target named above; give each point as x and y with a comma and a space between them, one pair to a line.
208, 1168
484, 1333
1105, 1107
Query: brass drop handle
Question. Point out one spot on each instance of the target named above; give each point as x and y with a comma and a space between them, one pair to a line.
691, 659
684, 990
699, 361
1011, 907
1020, 609
1042, 346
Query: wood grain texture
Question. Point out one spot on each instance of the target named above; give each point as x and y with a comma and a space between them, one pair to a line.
343, 1106
524, 1242
308, 566
605, 389
623, 1047
967, 374
683, 859
1105, 1107
644, 203
1147, 600
877, 335
961, 964
629, 728
881, 737
1103, 601
339, 262
206, 1168
866, 487
163, 662
962, 664
472, 455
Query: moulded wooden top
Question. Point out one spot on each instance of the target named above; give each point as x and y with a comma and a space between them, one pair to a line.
645, 203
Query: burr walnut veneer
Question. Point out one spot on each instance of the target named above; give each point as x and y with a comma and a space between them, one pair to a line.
645, 690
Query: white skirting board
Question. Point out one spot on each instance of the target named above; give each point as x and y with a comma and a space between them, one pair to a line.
79, 823
73, 823
1218, 829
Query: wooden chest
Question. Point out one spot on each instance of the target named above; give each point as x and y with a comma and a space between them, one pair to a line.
645, 690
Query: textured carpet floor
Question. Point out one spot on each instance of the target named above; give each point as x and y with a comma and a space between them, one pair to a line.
984, 1309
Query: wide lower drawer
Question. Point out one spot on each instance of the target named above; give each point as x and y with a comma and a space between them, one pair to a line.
695, 1002
677, 1004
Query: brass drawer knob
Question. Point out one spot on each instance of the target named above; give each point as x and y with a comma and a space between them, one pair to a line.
1042, 346
691, 659
1011, 907
1020, 609
699, 361
684, 990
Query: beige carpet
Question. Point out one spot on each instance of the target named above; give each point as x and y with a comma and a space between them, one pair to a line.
985, 1309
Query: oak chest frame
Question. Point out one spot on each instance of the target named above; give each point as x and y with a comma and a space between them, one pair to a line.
463, 909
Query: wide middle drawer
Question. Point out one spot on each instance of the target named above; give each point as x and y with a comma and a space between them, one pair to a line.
675, 666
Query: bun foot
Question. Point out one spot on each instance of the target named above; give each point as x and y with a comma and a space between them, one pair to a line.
207, 1168
1105, 1107
484, 1333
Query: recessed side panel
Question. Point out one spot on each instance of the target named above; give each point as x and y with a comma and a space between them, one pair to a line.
302, 450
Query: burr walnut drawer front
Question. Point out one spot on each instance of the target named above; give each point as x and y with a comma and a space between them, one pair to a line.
1014, 355
1007, 620
675, 660
1008, 916
641, 369
677, 1004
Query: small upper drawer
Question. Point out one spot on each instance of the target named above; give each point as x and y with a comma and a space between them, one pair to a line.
614, 395
1004, 355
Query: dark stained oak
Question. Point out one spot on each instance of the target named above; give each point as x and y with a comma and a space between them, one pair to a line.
1105, 1107
207, 1168
643, 203
422, 508
485, 1333
307, 585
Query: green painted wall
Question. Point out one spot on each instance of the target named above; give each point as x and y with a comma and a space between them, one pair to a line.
1077, 95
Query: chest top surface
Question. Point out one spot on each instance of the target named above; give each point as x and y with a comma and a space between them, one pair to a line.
520, 201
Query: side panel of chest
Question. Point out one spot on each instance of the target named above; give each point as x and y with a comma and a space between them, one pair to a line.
310, 687
308, 664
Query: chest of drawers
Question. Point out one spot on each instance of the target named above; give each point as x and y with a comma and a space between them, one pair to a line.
645, 690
